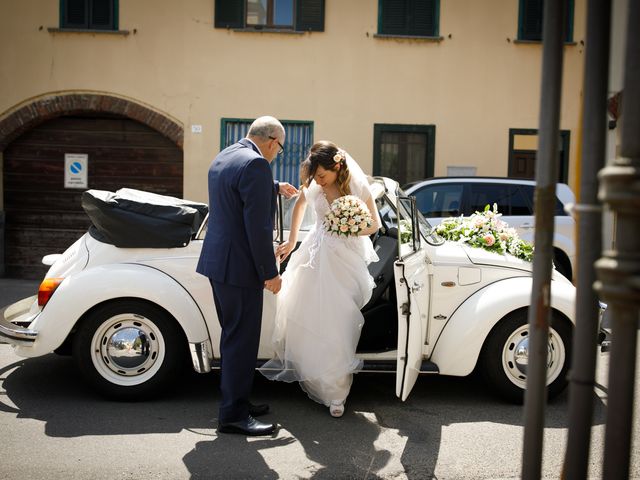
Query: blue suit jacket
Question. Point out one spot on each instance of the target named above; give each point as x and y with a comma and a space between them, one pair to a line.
238, 246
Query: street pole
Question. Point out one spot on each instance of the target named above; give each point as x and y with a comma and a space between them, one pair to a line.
589, 245
545, 200
619, 269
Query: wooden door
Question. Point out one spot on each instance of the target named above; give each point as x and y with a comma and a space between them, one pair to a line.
42, 216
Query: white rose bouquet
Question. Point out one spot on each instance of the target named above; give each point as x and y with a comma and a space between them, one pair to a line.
347, 216
486, 230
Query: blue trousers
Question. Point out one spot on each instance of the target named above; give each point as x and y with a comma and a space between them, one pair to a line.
240, 314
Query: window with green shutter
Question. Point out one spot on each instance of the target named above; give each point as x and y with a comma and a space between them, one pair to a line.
416, 18
530, 20
295, 15
297, 142
89, 14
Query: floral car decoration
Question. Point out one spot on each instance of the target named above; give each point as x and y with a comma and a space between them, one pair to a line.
486, 230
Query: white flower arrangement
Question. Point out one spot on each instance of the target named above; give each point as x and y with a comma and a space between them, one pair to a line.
486, 230
347, 216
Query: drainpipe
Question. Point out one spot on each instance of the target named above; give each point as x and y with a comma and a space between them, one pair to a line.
619, 268
545, 200
589, 215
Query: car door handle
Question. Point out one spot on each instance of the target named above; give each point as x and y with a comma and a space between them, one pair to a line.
527, 225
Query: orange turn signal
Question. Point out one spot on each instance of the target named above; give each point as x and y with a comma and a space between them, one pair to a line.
47, 287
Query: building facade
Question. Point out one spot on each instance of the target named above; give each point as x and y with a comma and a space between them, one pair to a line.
143, 94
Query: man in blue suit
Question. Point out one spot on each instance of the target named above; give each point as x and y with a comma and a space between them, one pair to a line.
238, 258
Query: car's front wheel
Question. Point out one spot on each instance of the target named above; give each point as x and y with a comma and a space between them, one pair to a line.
129, 349
505, 356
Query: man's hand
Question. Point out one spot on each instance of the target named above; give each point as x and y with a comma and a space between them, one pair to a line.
274, 284
287, 190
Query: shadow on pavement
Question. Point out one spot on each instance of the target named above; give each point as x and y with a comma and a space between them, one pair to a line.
49, 389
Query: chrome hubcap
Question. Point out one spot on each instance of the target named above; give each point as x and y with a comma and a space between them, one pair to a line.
127, 349
515, 356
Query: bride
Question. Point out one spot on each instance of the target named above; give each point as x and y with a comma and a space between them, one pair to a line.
318, 319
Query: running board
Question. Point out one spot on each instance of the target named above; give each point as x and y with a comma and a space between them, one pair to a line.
390, 366
380, 366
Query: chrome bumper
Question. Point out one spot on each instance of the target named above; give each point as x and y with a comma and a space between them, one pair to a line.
19, 312
202, 356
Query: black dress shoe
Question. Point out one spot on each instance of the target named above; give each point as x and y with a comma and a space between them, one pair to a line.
258, 410
248, 426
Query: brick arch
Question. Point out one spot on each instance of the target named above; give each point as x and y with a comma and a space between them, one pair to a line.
24, 118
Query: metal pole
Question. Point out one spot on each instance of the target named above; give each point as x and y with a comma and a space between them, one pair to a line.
619, 269
545, 199
589, 212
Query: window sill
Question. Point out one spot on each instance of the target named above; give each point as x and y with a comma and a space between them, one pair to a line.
539, 42
409, 37
124, 33
269, 30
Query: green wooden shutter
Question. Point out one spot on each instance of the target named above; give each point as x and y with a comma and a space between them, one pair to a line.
310, 15
102, 14
424, 18
409, 17
229, 14
75, 14
568, 21
531, 19
393, 17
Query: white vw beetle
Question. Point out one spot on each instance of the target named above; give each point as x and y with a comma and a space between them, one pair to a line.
131, 316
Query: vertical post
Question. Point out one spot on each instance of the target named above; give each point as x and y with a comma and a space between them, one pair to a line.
545, 198
589, 212
619, 269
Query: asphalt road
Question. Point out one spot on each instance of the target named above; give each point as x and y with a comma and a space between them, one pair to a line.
53, 426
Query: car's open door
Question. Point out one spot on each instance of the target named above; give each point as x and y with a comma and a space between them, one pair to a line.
412, 289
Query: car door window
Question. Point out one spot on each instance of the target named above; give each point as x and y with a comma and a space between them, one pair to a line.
440, 200
529, 190
483, 194
520, 204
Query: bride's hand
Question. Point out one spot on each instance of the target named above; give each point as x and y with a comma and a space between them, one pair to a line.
284, 249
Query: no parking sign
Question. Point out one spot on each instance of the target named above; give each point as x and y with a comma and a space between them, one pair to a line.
75, 170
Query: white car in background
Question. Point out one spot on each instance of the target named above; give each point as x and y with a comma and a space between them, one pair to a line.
126, 302
439, 198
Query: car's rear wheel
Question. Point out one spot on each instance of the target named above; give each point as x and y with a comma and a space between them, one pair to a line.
505, 356
129, 349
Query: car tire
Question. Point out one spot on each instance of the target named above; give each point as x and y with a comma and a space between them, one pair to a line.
504, 356
129, 349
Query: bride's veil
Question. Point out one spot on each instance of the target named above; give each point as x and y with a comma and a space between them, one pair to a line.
359, 184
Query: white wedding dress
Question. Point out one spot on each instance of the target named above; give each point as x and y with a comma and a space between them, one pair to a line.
318, 319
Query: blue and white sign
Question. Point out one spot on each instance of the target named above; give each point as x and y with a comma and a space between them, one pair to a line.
76, 166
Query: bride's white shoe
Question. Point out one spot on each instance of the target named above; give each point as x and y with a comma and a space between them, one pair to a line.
336, 409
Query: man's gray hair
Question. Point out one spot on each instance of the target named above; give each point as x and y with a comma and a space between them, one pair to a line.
266, 127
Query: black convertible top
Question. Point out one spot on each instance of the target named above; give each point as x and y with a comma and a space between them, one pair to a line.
136, 219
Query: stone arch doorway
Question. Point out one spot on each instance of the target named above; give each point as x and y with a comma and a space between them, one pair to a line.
127, 145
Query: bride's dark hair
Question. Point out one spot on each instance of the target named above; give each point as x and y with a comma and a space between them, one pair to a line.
327, 155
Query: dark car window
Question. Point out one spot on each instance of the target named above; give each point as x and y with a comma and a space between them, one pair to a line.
520, 204
529, 191
483, 194
439, 200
